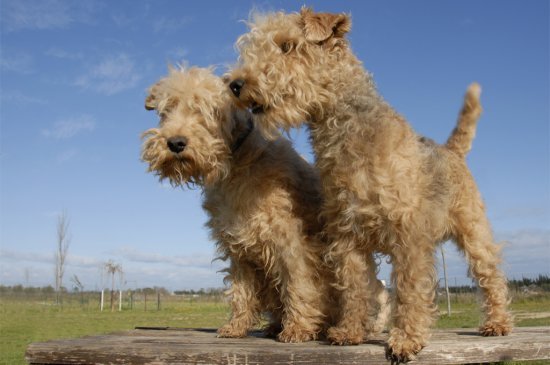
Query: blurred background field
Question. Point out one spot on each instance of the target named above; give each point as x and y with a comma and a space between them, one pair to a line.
31, 314
32, 317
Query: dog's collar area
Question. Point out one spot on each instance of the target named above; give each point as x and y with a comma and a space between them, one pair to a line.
256, 108
243, 136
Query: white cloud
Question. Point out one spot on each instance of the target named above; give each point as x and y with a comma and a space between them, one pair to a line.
40, 257
44, 14
112, 75
18, 98
540, 211
133, 255
7, 255
17, 62
527, 239
170, 25
68, 128
139, 17
35, 15
122, 20
176, 278
141, 269
84, 261
178, 54
66, 156
63, 54
526, 253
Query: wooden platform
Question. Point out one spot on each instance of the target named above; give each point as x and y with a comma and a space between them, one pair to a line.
201, 346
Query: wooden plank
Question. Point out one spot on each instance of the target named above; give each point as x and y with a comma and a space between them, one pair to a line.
201, 346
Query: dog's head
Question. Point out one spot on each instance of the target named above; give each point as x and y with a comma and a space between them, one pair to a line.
192, 142
288, 66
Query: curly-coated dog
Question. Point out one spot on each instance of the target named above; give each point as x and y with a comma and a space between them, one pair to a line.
263, 202
386, 188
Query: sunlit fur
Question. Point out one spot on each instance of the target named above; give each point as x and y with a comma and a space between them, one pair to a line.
263, 202
386, 188
196, 95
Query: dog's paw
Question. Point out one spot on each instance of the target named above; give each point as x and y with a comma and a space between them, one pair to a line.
229, 331
296, 334
344, 336
401, 348
495, 329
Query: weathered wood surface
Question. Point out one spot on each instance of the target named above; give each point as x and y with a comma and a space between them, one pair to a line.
201, 346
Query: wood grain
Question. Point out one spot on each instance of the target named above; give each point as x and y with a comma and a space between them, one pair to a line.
160, 345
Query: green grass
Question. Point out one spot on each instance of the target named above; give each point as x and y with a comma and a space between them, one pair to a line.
25, 321
465, 312
22, 322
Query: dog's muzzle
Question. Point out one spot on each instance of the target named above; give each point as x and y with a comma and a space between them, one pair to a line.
236, 87
176, 144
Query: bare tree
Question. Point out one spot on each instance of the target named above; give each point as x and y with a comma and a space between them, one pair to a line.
113, 269
77, 283
79, 287
63, 242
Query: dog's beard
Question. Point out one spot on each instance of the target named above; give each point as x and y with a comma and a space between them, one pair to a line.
178, 171
186, 168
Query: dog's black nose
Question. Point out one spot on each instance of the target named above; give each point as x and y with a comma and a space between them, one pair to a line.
236, 86
177, 144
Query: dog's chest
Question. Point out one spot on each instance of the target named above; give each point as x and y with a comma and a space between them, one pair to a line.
234, 219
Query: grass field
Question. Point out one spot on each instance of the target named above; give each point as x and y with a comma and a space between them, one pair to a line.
24, 321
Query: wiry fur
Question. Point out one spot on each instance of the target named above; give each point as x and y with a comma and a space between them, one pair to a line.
263, 202
386, 189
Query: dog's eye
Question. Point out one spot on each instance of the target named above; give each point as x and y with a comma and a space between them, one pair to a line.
287, 46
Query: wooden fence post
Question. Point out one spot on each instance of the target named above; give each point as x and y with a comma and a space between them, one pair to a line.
446, 284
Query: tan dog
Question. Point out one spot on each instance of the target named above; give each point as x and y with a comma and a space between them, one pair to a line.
386, 188
263, 200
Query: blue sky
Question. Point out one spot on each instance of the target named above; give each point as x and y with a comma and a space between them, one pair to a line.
74, 76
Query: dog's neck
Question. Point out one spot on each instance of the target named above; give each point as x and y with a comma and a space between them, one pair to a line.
355, 110
359, 96
242, 134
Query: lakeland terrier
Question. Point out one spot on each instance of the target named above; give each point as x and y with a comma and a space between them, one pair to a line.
263, 202
386, 189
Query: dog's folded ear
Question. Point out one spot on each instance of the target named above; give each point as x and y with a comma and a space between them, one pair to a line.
151, 101
319, 27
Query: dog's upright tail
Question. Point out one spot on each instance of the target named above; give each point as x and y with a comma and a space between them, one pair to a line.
460, 140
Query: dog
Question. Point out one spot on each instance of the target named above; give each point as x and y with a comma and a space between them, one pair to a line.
386, 189
263, 201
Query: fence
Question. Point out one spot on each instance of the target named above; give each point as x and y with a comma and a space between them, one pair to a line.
460, 290
107, 301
